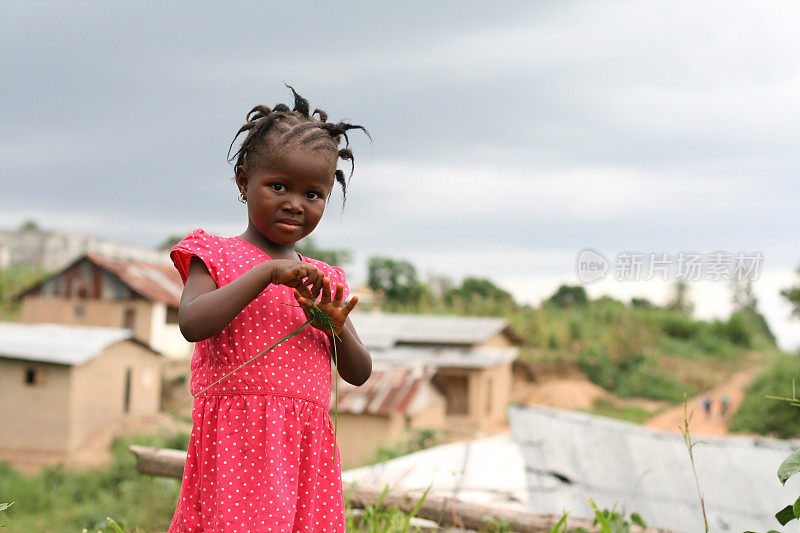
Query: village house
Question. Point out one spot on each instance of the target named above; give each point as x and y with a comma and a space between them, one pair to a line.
96, 290
382, 411
63, 386
469, 361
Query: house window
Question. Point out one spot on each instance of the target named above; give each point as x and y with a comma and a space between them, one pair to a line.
129, 319
79, 311
33, 376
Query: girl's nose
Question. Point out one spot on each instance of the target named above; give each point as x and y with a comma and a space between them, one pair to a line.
293, 205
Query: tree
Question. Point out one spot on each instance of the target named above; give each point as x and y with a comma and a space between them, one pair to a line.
569, 295
680, 301
395, 280
336, 257
30, 225
479, 295
642, 303
793, 295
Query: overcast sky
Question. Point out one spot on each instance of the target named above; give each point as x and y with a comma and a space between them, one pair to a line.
507, 136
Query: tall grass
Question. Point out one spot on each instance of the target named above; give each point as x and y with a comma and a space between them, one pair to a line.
58, 500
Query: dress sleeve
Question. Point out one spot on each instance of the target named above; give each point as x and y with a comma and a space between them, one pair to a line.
200, 244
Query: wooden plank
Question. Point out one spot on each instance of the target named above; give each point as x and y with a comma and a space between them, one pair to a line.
445, 511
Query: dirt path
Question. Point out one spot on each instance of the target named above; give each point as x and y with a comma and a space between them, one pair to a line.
700, 422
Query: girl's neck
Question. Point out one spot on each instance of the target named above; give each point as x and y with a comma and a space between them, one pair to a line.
275, 251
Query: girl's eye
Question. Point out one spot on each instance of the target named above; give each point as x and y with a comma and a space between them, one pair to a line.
313, 195
278, 187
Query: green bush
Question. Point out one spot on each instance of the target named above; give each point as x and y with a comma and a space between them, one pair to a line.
676, 324
59, 500
765, 416
632, 375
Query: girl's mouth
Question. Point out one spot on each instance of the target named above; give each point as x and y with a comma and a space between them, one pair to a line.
288, 226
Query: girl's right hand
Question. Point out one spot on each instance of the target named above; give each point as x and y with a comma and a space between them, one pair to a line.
297, 275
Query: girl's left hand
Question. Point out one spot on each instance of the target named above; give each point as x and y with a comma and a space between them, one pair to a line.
330, 304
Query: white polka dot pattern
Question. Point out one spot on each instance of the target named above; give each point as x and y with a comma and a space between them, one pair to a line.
260, 456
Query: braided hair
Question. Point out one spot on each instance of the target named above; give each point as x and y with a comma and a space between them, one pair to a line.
268, 129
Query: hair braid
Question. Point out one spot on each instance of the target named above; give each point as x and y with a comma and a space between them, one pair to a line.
291, 126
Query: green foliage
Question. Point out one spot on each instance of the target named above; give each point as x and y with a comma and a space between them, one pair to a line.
12, 281
336, 257
479, 296
568, 296
680, 301
611, 520
380, 518
493, 525
642, 303
759, 414
792, 294
676, 325
395, 280
636, 374
631, 413
418, 439
3, 507
789, 467
59, 500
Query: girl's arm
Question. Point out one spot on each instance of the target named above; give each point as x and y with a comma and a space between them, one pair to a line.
205, 309
353, 360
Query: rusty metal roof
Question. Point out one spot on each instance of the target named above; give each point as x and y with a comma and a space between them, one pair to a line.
153, 281
156, 282
389, 390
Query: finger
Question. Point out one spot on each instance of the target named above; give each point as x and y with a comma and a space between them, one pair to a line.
350, 305
303, 290
326, 291
337, 301
304, 302
319, 283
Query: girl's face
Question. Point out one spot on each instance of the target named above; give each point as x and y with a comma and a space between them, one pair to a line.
286, 199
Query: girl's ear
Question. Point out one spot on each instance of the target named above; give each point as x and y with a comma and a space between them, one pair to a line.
241, 180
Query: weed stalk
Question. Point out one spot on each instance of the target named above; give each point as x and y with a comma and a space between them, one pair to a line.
687, 438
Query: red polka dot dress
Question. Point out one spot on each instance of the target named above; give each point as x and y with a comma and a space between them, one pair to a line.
260, 455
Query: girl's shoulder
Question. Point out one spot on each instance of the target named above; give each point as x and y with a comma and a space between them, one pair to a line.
210, 248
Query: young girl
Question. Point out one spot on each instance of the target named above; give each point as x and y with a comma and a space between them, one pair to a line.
262, 455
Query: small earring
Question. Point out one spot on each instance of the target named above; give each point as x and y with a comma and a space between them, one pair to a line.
242, 198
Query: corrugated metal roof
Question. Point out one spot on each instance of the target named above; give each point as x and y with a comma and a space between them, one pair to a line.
388, 390
384, 330
571, 456
445, 358
57, 343
153, 281
558, 459
489, 470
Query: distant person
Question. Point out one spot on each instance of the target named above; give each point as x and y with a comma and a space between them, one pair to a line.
725, 403
262, 454
707, 405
